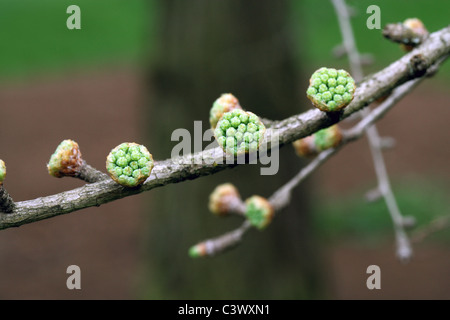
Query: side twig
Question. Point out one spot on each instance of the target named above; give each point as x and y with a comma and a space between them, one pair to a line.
404, 249
281, 197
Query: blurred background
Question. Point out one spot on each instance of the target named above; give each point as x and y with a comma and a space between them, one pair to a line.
136, 71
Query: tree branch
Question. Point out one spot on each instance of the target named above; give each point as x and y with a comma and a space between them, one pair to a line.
404, 249
193, 166
281, 197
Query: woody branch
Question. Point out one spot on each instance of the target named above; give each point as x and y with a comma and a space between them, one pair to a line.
412, 65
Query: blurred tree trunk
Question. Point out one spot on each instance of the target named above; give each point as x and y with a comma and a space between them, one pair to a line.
204, 49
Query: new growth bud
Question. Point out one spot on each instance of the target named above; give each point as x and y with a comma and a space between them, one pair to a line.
227, 102
259, 211
224, 200
66, 160
331, 90
408, 34
418, 31
129, 164
321, 140
198, 250
239, 132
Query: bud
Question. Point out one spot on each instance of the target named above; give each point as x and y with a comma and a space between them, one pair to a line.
66, 160
331, 90
225, 199
259, 211
129, 164
418, 33
239, 132
321, 140
227, 102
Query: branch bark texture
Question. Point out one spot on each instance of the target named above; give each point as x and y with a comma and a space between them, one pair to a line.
410, 66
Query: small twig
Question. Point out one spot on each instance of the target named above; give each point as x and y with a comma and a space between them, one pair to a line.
90, 174
373, 195
386, 143
217, 245
282, 196
404, 250
435, 225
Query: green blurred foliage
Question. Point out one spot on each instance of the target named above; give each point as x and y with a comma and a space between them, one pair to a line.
35, 38
352, 217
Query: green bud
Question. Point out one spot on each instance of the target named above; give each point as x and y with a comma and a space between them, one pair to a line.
239, 136
134, 165
326, 84
236, 136
337, 98
199, 250
346, 97
129, 164
244, 118
231, 132
235, 122
118, 171
259, 211
248, 137
222, 140
218, 132
324, 77
332, 104
231, 142
142, 162
122, 162
331, 82
225, 124
341, 81
340, 89
332, 73
327, 138
242, 128
316, 83
327, 96
66, 160
311, 91
120, 153
321, 140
